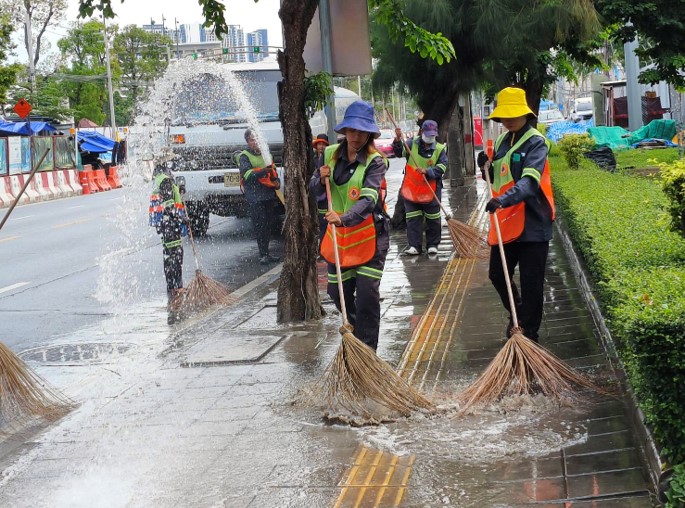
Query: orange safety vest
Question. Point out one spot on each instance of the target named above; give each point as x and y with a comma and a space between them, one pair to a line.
414, 186
356, 244
270, 179
512, 219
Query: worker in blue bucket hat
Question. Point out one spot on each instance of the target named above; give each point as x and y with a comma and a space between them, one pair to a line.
356, 171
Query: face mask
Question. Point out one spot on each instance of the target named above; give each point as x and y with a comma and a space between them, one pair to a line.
429, 140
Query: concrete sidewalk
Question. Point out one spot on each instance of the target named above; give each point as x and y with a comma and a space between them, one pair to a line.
204, 416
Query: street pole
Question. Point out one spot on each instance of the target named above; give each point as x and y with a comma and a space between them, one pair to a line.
113, 121
327, 58
359, 86
178, 56
632, 86
28, 34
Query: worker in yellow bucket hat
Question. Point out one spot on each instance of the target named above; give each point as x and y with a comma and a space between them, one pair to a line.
522, 196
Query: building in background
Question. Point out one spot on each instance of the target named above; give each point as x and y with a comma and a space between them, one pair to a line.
257, 40
234, 40
193, 39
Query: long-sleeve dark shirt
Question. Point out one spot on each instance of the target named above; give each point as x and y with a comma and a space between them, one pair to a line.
532, 154
342, 172
254, 191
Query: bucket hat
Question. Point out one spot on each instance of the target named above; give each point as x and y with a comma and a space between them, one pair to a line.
429, 127
359, 115
511, 103
320, 138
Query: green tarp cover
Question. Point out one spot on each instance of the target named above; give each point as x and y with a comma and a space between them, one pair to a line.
617, 138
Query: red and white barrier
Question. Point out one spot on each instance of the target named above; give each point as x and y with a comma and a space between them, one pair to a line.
48, 188
61, 183
31, 195
6, 196
71, 176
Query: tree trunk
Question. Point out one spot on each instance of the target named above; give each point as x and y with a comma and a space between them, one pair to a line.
533, 94
298, 291
455, 139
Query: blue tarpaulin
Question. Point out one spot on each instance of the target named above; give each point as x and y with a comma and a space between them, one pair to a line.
557, 130
21, 129
94, 142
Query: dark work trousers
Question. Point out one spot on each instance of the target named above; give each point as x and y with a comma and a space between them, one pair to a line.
173, 256
531, 258
364, 307
416, 213
263, 216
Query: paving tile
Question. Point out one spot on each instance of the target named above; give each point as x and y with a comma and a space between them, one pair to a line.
605, 484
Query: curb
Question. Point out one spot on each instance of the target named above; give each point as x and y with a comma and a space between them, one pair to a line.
648, 445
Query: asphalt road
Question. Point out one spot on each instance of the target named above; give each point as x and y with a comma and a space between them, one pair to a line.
70, 264
89, 268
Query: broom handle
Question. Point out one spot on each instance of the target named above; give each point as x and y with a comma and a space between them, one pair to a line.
338, 272
512, 304
411, 156
23, 189
190, 235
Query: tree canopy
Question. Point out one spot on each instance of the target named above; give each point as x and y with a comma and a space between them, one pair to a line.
660, 26
8, 72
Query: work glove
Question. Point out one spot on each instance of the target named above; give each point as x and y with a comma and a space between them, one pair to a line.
482, 159
493, 205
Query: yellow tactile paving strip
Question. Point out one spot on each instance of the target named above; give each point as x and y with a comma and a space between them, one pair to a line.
379, 479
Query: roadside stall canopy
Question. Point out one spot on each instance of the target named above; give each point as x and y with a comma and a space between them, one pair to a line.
22, 129
94, 142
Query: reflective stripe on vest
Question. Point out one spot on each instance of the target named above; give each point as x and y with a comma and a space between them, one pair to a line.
414, 186
356, 244
157, 206
257, 162
512, 219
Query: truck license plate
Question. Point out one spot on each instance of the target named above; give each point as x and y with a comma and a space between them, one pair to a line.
231, 179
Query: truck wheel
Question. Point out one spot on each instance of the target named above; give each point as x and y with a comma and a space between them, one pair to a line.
199, 218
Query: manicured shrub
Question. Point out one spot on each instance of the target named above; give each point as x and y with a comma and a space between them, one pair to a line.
620, 226
673, 181
573, 146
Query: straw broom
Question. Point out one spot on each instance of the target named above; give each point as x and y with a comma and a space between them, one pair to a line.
468, 241
521, 366
23, 393
203, 291
356, 376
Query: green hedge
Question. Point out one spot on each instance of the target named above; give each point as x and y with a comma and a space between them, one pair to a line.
620, 225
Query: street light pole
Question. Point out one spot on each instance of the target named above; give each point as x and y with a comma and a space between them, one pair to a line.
113, 121
178, 56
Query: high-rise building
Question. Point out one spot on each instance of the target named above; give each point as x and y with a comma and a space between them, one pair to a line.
234, 40
257, 45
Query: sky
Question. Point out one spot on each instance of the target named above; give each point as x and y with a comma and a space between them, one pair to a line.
250, 15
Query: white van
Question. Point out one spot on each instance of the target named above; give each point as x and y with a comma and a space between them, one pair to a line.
207, 129
582, 109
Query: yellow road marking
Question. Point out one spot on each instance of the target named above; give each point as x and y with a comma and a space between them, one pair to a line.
429, 345
66, 224
8, 239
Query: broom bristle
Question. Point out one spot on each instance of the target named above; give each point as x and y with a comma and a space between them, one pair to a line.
203, 292
522, 367
357, 379
468, 241
24, 394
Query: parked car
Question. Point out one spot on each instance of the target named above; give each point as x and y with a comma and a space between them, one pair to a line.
550, 116
384, 142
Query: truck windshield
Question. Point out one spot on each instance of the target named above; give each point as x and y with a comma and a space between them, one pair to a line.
209, 99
